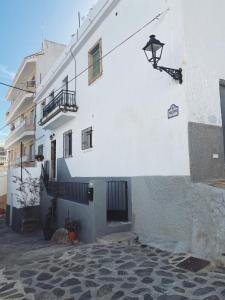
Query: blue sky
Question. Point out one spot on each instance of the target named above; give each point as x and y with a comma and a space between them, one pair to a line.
23, 25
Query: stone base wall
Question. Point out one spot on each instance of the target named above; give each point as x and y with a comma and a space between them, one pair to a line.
170, 211
175, 213
206, 151
17, 215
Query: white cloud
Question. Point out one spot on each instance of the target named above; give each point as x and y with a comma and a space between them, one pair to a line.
5, 73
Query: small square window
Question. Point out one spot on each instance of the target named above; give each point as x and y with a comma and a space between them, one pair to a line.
95, 62
67, 143
87, 138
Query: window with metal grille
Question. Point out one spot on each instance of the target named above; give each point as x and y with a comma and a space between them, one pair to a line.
40, 150
87, 138
67, 143
95, 62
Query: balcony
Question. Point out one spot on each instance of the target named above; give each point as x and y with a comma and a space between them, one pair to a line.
23, 132
59, 110
27, 161
22, 102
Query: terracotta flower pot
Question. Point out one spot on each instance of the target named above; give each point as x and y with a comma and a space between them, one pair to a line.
72, 235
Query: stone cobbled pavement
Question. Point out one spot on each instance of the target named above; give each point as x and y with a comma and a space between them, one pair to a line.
39, 270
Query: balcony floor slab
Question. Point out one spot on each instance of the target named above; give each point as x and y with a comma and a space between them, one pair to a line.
58, 120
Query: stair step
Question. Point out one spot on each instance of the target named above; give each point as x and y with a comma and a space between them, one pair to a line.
117, 237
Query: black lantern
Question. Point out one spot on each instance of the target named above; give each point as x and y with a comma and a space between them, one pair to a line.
39, 157
51, 137
153, 51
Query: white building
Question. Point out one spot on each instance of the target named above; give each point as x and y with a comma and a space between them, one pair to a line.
109, 129
21, 116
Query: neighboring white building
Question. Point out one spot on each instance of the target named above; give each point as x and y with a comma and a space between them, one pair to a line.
109, 129
3, 157
21, 116
3, 177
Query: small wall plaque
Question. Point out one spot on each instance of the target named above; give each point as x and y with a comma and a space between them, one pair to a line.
173, 111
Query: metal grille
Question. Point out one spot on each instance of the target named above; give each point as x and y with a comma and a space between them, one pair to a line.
73, 191
117, 201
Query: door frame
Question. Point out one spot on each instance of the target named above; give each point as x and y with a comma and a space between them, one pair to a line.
53, 159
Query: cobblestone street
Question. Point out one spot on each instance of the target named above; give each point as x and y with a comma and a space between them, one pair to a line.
34, 269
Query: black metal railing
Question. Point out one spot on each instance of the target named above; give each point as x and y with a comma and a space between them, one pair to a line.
44, 175
64, 100
117, 201
73, 191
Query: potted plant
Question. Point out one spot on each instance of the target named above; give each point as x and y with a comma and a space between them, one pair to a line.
73, 227
39, 157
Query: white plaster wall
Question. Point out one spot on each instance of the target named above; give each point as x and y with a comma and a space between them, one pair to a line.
52, 52
204, 59
127, 106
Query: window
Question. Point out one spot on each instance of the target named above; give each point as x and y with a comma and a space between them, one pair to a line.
40, 150
87, 138
31, 152
43, 103
24, 150
32, 117
31, 83
65, 83
51, 95
67, 143
95, 62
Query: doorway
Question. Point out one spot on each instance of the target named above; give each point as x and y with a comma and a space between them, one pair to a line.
65, 83
53, 159
117, 201
222, 103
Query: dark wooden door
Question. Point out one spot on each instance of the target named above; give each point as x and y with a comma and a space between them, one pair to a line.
53, 159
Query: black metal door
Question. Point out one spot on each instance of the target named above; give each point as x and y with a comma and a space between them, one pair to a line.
117, 201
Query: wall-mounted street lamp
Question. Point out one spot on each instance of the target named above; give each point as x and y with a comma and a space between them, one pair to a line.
153, 51
51, 137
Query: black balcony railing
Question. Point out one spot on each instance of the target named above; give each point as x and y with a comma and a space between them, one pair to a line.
63, 101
